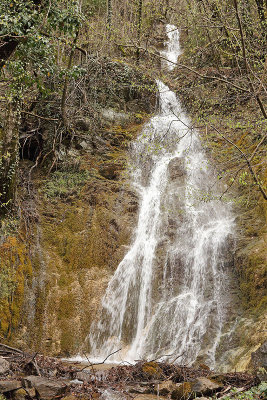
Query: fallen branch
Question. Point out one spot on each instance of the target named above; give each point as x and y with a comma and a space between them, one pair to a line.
12, 349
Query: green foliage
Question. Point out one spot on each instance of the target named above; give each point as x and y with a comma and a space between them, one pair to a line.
35, 27
8, 226
255, 393
65, 183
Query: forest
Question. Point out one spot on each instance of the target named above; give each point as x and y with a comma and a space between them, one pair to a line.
133, 194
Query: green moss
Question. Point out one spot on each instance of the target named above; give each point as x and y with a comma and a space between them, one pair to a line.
152, 370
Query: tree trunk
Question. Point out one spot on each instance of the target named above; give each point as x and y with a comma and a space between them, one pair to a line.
109, 16
139, 23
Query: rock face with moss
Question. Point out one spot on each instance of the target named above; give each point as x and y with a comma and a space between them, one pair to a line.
78, 209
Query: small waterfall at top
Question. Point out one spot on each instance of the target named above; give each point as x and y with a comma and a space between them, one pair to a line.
167, 295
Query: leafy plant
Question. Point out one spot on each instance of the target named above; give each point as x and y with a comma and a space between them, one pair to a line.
65, 183
255, 393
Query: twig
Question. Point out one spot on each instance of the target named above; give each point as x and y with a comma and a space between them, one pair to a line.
39, 116
11, 348
246, 159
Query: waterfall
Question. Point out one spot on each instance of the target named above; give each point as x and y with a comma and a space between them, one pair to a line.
167, 296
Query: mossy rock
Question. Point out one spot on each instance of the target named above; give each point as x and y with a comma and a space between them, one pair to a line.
152, 370
182, 392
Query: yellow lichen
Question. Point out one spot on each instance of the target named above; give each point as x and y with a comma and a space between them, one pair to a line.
15, 267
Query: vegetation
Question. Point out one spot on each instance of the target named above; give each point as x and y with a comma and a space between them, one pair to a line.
258, 392
62, 63
65, 183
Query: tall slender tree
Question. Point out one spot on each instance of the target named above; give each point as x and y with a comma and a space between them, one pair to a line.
139, 25
109, 16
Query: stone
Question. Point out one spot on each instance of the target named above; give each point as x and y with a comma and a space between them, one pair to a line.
8, 386
205, 386
19, 394
164, 388
141, 388
4, 366
83, 376
182, 392
152, 370
259, 357
85, 145
47, 389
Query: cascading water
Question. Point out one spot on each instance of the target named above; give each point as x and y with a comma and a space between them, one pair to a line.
166, 296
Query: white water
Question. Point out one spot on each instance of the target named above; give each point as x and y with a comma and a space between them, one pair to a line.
167, 295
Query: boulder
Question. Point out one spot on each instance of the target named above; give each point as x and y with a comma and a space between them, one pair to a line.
47, 389
9, 386
84, 376
152, 370
4, 366
164, 388
205, 386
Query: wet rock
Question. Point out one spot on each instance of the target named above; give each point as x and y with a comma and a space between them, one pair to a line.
205, 386
4, 366
83, 376
176, 168
183, 391
9, 386
47, 389
19, 394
